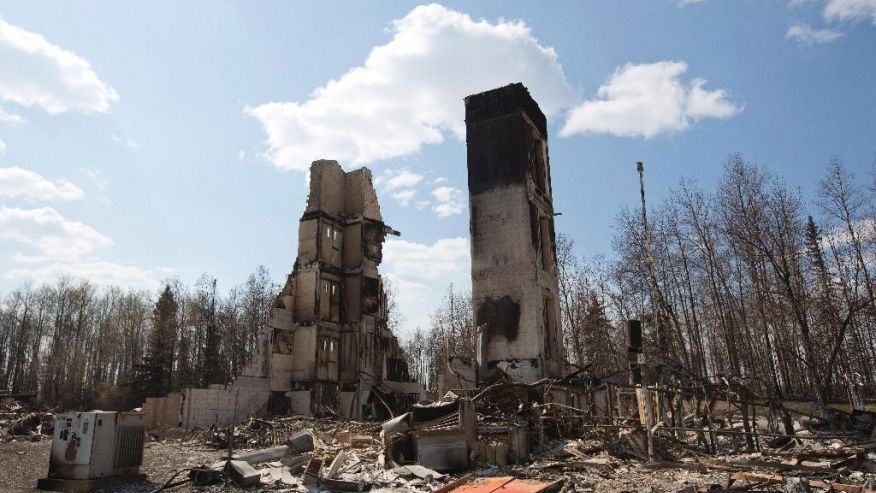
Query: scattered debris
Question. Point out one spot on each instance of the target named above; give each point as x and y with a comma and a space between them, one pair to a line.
18, 421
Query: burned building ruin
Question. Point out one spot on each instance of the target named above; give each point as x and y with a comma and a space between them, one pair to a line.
327, 348
513, 250
331, 345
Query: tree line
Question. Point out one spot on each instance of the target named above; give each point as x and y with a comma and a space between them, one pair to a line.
79, 346
745, 283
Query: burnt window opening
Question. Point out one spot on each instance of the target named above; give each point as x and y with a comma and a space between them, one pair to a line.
333, 235
370, 295
550, 327
326, 359
546, 244
282, 341
372, 240
538, 158
397, 370
330, 301
328, 353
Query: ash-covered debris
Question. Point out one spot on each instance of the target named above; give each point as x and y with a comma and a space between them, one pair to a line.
515, 437
18, 421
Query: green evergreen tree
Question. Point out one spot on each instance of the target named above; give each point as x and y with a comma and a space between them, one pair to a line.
158, 364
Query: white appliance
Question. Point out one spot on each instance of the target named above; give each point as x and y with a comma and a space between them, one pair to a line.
96, 444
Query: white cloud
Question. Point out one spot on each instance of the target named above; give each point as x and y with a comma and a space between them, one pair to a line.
10, 118
425, 262
400, 178
448, 201
647, 100
126, 142
407, 291
404, 197
420, 274
18, 182
409, 91
846, 10
47, 246
50, 234
807, 35
400, 184
100, 272
97, 178
865, 230
34, 72
2, 147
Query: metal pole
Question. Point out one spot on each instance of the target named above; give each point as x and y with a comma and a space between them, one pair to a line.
649, 259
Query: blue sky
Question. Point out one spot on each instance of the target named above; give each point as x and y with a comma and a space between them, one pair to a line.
145, 140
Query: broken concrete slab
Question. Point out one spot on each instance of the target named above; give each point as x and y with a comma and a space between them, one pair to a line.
242, 473
418, 471
302, 442
336, 465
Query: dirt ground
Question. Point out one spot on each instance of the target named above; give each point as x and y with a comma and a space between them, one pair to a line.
23, 462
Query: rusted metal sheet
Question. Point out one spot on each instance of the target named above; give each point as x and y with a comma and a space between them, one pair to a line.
483, 485
507, 484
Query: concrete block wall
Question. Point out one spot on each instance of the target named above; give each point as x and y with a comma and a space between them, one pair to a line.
308, 233
162, 411
328, 185
222, 405
361, 199
457, 374
306, 285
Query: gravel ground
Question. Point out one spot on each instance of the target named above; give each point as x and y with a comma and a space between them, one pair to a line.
22, 463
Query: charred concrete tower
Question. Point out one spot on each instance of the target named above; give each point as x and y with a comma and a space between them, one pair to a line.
513, 251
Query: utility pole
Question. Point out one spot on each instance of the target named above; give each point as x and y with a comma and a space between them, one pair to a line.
649, 258
656, 300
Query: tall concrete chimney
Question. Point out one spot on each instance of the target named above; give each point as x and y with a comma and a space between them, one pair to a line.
513, 250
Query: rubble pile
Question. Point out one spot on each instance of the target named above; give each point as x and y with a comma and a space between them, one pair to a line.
18, 422
508, 438
264, 433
